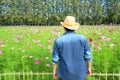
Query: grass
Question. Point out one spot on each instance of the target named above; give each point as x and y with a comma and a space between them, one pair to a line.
30, 48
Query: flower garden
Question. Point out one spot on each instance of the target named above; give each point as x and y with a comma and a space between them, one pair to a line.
26, 49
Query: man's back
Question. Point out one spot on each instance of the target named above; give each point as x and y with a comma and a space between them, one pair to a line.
72, 64
71, 53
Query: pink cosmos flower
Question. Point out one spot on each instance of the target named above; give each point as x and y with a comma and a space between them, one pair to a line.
109, 39
2, 44
100, 33
105, 44
19, 37
96, 45
37, 62
53, 32
43, 46
36, 41
1, 52
103, 37
112, 45
47, 65
51, 51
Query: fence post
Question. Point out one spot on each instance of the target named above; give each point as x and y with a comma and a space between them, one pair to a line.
23, 76
19, 76
9, 76
43, 75
113, 75
27, 74
0, 76
14, 75
31, 75
5, 75
119, 75
37, 75
93, 76
100, 76
106, 75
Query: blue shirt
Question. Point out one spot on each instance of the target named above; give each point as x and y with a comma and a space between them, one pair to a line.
71, 52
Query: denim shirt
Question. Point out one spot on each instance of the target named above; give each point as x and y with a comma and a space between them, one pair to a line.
71, 52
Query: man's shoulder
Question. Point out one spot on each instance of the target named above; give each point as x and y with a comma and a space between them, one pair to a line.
75, 36
81, 36
58, 38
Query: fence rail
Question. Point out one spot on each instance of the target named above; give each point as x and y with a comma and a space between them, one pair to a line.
45, 73
48, 76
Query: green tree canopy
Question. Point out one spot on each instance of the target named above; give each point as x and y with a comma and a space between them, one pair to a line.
51, 12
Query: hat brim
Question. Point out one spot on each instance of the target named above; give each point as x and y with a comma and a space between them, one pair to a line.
75, 27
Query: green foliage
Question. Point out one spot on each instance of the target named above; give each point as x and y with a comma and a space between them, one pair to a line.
51, 12
30, 49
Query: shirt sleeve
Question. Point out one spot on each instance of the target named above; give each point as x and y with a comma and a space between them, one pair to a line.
55, 55
87, 53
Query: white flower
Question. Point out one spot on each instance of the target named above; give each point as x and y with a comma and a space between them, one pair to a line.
112, 45
30, 56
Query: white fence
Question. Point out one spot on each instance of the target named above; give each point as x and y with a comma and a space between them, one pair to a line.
49, 76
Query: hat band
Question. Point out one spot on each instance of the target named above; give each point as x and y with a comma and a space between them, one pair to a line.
65, 24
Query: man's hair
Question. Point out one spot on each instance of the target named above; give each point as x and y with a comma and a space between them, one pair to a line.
68, 29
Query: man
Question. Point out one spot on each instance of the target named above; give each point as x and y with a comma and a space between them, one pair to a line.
71, 53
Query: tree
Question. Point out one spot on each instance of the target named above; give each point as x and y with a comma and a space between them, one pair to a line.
51, 12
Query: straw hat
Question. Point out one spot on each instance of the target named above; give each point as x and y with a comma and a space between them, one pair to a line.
70, 23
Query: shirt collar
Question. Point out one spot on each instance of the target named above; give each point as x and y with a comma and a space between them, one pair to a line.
69, 32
